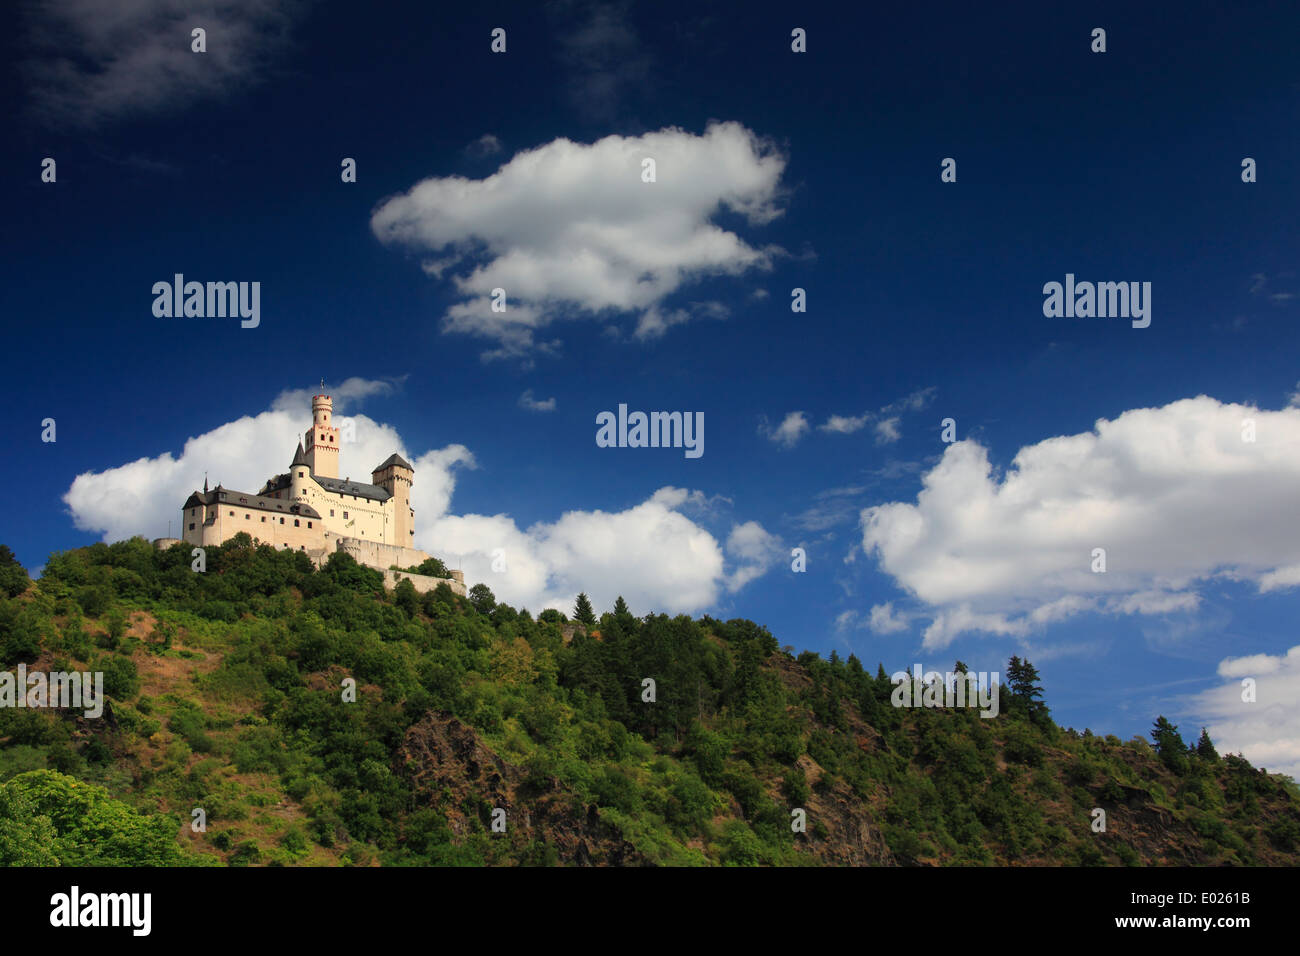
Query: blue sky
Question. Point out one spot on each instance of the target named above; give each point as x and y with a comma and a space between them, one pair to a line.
776, 170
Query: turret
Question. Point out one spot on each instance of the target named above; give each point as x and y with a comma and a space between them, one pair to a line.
322, 439
396, 476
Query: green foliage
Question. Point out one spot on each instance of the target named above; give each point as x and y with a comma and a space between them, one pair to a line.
1170, 746
82, 826
582, 612
254, 650
13, 577
482, 599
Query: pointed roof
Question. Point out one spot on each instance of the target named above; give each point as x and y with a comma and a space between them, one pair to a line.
394, 460
300, 458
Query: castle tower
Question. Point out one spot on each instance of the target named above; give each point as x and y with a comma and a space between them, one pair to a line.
299, 475
322, 439
395, 476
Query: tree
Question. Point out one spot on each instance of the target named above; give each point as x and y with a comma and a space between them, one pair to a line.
404, 596
1022, 678
1205, 747
482, 599
582, 612
13, 579
1170, 746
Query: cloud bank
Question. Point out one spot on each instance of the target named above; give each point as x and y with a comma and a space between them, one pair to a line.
1175, 496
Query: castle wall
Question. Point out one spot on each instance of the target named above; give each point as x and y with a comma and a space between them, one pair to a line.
368, 519
379, 555
424, 582
279, 531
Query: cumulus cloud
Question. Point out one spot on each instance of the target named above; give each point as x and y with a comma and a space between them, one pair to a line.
652, 553
1267, 730
570, 230
95, 63
657, 558
1173, 494
754, 549
526, 401
792, 428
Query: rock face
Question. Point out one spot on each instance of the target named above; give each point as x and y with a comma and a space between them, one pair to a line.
453, 770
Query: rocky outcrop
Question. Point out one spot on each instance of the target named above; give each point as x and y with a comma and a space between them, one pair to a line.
451, 769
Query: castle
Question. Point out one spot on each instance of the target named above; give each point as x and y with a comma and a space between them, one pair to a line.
311, 509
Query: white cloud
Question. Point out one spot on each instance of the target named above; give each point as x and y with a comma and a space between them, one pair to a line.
887, 431
1267, 730
527, 401
1173, 494
654, 556
652, 553
844, 424
570, 230
98, 62
884, 621
792, 428
756, 550
887, 421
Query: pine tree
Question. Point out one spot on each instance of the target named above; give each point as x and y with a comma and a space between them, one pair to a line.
1205, 747
1022, 678
582, 612
1169, 745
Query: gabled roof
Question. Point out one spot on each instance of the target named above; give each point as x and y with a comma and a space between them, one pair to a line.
394, 460
340, 486
219, 495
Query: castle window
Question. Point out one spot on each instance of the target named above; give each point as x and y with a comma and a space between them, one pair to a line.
247, 517
331, 512
191, 525
309, 524
281, 521
263, 519
322, 437
331, 437
345, 514
300, 474
295, 522
193, 512
232, 514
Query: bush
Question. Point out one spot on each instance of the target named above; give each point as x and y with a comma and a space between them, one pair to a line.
94, 600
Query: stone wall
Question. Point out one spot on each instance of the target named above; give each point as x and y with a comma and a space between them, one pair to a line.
381, 556
424, 582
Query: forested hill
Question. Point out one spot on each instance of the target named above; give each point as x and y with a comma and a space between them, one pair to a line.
230, 692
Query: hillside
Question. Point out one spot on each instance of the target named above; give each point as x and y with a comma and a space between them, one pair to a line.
227, 692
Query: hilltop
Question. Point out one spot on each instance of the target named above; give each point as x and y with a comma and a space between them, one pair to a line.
228, 692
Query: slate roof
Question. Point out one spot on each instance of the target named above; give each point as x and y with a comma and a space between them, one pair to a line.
246, 500
394, 460
300, 458
340, 486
